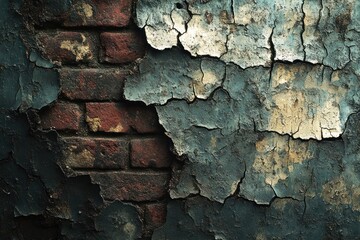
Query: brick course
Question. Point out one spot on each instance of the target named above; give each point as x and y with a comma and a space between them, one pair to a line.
61, 116
104, 13
97, 153
132, 186
121, 47
67, 47
121, 118
92, 84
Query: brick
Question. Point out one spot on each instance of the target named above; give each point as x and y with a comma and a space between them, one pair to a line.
61, 116
108, 117
132, 186
92, 84
113, 13
121, 118
121, 47
150, 152
67, 47
154, 215
98, 153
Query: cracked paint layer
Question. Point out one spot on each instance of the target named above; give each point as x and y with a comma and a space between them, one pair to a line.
299, 99
261, 101
248, 125
27, 80
254, 33
199, 218
241, 136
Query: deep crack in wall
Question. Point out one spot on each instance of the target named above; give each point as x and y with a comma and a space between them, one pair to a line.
261, 98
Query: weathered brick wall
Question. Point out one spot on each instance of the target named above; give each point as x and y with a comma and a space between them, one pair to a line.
120, 144
260, 100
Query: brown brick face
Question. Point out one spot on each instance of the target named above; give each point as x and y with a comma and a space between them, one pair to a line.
67, 47
96, 153
132, 186
61, 116
99, 13
121, 47
121, 118
92, 84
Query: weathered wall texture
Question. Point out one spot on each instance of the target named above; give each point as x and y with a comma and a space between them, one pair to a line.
261, 100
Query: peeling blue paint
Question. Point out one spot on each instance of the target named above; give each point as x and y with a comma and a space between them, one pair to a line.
271, 148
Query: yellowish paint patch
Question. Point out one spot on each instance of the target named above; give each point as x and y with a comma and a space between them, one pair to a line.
277, 155
213, 142
210, 42
84, 11
210, 78
118, 128
87, 10
75, 158
80, 50
260, 236
161, 39
355, 199
336, 193
204, 82
129, 228
93, 123
234, 186
300, 113
279, 204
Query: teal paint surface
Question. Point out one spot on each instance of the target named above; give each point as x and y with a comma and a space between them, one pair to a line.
267, 133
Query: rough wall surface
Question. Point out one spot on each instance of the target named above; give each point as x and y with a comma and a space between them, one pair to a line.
261, 100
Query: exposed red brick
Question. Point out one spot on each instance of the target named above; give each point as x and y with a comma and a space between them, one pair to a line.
155, 215
120, 118
132, 186
67, 47
96, 153
61, 116
92, 84
121, 47
108, 117
114, 13
150, 152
